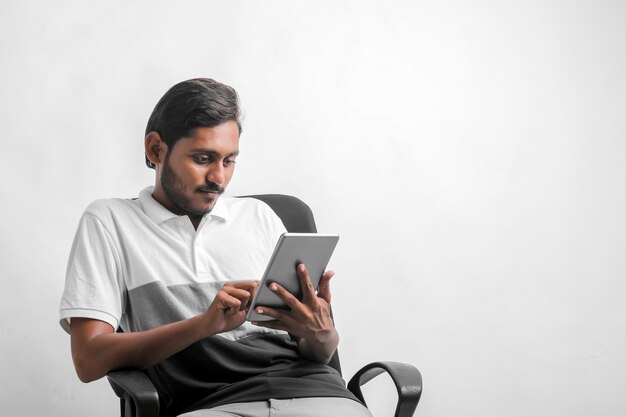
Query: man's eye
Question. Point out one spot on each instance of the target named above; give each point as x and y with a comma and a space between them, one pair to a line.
228, 162
200, 159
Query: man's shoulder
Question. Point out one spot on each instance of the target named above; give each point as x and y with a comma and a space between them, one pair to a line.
107, 208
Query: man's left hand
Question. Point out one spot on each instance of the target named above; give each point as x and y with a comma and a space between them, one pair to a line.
308, 319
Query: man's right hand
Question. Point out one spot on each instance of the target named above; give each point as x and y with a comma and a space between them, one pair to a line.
230, 306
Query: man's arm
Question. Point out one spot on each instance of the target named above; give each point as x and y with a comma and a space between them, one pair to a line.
309, 319
98, 349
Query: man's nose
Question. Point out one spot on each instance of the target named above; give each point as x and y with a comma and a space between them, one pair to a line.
215, 174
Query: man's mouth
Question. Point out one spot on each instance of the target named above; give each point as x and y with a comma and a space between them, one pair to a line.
214, 189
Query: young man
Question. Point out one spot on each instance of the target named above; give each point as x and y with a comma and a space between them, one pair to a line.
176, 269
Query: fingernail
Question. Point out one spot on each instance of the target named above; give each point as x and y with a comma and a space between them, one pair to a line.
274, 287
259, 310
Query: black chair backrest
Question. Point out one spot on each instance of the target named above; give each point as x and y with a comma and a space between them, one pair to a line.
295, 214
297, 218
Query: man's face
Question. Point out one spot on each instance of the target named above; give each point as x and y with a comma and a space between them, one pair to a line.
197, 169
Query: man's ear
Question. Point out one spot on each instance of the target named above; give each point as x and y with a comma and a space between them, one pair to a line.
155, 148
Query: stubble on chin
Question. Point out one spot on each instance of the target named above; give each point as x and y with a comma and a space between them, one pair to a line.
176, 192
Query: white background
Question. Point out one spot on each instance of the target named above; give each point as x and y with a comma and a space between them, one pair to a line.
470, 153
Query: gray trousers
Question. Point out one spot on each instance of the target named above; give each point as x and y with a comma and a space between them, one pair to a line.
296, 407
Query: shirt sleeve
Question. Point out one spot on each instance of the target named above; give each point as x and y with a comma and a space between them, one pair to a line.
94, 285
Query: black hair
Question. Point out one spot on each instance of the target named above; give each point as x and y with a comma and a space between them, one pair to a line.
199, 102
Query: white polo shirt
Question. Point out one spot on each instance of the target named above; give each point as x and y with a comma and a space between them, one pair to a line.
136, 265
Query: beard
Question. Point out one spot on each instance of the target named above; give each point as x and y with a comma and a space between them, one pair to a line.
176, 191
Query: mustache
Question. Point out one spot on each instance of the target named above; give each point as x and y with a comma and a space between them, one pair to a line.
211, 187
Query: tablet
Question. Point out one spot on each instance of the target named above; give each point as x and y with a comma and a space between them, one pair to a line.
312, 249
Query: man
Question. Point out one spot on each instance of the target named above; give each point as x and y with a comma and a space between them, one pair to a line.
176, 269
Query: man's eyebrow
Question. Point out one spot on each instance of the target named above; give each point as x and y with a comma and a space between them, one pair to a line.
212, 152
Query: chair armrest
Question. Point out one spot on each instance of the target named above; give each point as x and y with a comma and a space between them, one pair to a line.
407, 379
138, 396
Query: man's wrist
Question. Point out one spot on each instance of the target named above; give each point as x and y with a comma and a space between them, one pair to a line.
319, 349
205, 326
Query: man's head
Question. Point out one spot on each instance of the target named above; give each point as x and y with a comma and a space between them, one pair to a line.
192, 140
199, 102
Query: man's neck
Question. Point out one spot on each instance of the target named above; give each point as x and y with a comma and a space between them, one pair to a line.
195, 221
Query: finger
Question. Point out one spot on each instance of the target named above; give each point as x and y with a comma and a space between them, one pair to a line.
282, 320
250, 286
308, 292
323, 290
243, 285
226, 302
289, 299
243, 296
236, 292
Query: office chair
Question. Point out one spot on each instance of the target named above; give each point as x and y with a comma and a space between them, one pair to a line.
139, 397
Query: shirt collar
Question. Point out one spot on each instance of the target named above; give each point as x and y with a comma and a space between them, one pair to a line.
159, 214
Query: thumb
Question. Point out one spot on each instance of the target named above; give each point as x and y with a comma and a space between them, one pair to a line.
323, 290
